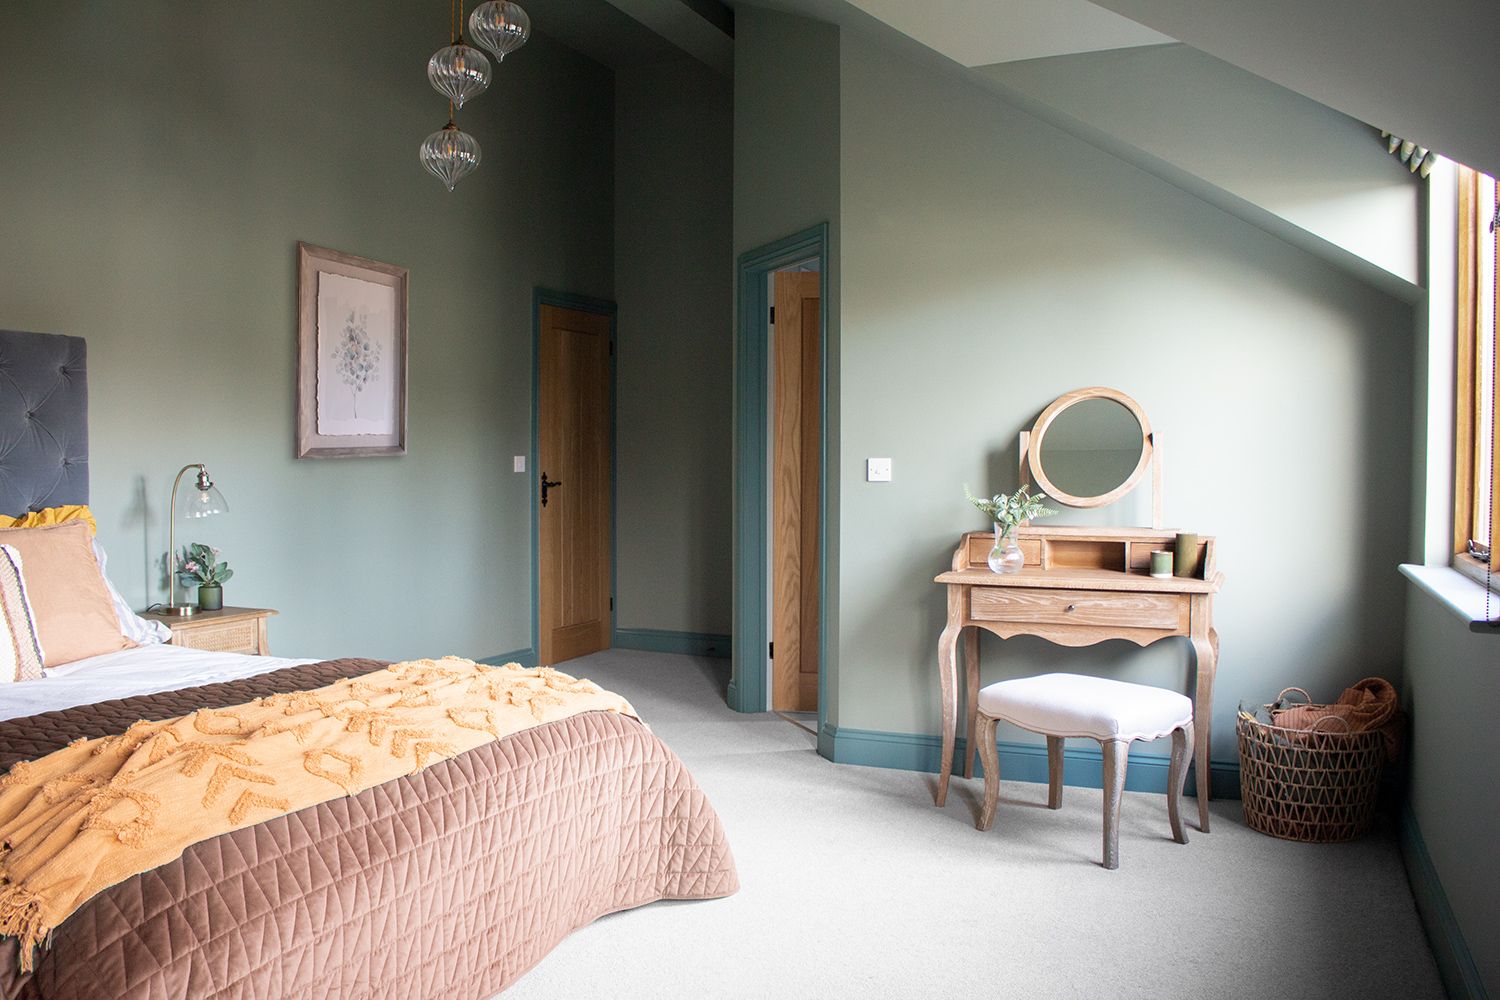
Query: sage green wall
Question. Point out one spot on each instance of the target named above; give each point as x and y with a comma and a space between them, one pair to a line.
991, 262
786, 125
786, 180
161, 162
673, 222
1452, 691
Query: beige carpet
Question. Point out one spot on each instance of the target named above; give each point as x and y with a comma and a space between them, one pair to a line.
855, 885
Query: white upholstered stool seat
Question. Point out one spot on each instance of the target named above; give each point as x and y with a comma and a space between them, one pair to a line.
1113, 712
1095, 707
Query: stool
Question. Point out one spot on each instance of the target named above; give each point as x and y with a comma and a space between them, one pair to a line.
1113, 712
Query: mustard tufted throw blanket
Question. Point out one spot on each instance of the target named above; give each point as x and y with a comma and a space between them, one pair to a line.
102, 810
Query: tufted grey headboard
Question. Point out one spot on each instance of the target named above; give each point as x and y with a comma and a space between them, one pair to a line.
44, 422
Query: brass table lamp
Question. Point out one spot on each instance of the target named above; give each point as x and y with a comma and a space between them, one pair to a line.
206, 501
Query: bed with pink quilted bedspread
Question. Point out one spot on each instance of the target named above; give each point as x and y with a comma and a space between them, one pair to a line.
449, 883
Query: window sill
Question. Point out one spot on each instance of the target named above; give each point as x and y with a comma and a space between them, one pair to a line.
1464, 597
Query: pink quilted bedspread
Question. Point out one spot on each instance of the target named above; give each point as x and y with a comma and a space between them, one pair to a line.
449, 883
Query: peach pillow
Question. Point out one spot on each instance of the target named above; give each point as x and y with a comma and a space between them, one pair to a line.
74, 615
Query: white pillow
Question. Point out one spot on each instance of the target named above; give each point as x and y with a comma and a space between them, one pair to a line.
132, 626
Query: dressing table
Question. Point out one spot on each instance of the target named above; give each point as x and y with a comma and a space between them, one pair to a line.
1081, 585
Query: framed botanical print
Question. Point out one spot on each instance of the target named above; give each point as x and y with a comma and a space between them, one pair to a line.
351, 355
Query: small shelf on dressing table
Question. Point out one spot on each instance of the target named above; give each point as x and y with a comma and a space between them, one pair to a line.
1079, 586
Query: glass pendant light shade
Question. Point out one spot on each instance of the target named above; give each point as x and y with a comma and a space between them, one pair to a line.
449, 154
458, 72
500, 26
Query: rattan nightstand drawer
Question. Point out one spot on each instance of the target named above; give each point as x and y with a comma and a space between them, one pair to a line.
228, 637
231, 630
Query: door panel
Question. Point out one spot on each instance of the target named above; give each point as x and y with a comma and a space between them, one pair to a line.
573, 415
796, 464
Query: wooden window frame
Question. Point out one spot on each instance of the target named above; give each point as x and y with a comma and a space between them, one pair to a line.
1470, 406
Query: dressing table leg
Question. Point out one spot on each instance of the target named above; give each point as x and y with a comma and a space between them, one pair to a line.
1206, 651
971, 696
948, 677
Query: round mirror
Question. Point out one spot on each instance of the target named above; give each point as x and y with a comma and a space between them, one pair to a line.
1090, 447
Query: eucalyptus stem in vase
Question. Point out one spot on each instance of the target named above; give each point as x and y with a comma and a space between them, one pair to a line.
1006, 512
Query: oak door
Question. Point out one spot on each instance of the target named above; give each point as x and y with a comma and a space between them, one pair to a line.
573, 482
795, 502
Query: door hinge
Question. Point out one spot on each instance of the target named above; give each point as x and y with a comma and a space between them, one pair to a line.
611, 604
773, 315
611, 348
770, 650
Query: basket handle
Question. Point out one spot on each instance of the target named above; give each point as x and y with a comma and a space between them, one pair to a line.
1331, 718
1281, 698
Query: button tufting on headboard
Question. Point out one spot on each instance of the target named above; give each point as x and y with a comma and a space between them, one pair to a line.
44, 422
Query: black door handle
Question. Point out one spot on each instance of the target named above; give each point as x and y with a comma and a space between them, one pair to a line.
548, 484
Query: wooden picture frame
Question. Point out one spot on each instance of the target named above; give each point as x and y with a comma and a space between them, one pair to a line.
357, 355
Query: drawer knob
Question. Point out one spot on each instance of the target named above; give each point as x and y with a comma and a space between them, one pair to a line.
1072, 608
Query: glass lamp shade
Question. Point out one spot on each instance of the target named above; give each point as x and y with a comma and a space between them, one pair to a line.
450, 154
500, 26
201, 502
458, 72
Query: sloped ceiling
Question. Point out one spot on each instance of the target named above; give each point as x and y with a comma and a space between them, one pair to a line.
1428, 71
983, 32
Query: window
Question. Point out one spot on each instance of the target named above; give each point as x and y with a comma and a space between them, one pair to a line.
1476, 528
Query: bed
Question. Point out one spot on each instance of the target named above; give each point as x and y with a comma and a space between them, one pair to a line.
448, 882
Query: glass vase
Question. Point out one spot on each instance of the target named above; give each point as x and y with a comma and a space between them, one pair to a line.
1006, 556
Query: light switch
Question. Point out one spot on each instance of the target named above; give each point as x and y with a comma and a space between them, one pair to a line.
519, 463
877, 470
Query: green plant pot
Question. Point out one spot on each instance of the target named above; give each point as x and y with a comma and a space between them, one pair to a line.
210, 598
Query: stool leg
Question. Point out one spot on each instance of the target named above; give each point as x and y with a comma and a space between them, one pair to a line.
1116, 753
990, 755
1182, 752
1054, 772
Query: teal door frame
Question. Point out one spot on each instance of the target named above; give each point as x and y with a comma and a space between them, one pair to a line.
602, 307
749, 687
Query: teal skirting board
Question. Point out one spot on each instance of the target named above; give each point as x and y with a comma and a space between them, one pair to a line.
1083, 762
1454, 961
655, 640
525, 657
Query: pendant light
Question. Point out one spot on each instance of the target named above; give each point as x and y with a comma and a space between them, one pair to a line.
450, 154
500, 26
460, 72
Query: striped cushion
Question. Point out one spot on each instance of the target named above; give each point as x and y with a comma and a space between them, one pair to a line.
20, 653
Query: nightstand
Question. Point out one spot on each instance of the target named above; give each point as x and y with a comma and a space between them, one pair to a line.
228, 630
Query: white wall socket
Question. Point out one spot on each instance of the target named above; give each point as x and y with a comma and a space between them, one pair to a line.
877, 470
518, 464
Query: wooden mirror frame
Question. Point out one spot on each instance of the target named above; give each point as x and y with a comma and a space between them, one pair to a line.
1033, 448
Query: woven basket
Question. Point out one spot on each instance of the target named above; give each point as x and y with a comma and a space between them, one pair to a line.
1314, 785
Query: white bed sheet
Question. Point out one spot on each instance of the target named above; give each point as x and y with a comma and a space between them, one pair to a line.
143, 670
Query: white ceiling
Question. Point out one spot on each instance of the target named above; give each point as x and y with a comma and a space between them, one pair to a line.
983, 32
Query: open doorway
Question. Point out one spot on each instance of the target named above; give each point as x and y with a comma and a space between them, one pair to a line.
795, 380
781, 493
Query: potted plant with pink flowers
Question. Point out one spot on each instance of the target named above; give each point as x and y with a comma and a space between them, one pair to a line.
200, 565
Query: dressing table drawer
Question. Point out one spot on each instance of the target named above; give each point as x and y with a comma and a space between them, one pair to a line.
1168, 612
